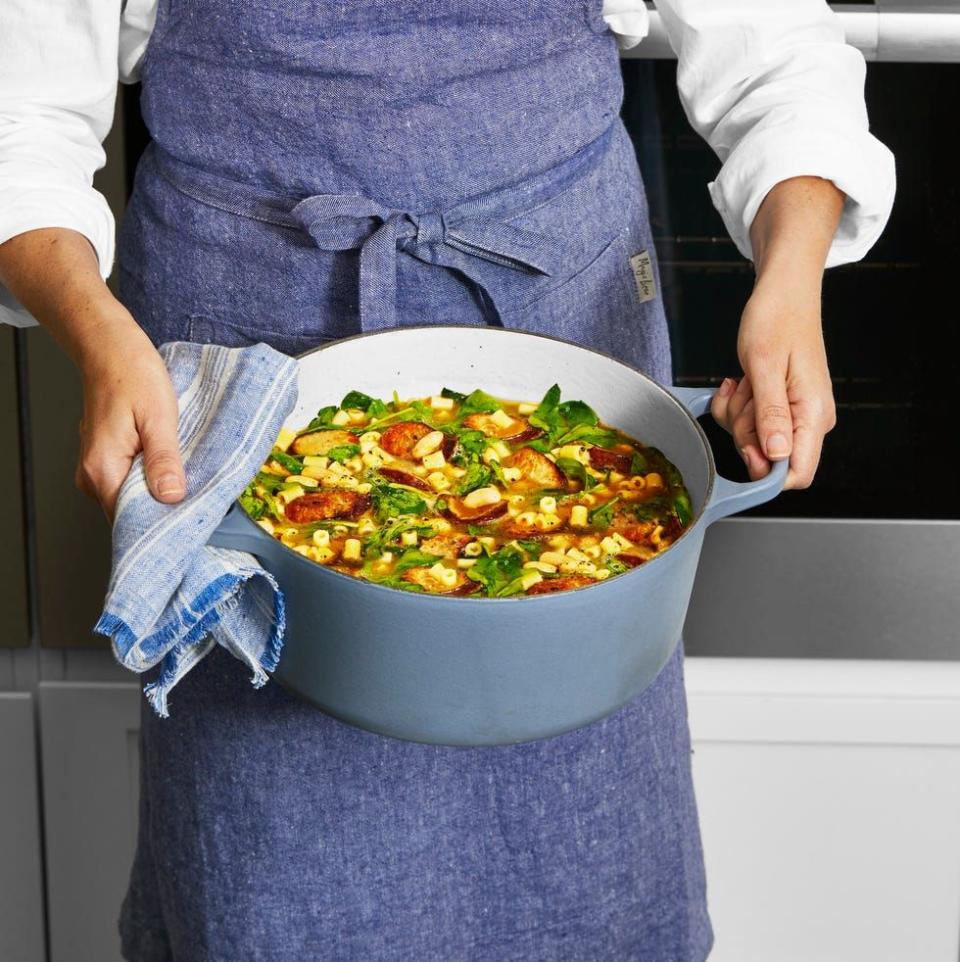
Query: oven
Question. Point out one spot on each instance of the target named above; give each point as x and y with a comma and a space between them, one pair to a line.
865, 563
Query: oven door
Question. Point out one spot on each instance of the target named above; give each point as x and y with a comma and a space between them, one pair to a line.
866, 563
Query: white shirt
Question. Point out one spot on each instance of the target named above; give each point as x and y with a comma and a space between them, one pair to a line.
770, 84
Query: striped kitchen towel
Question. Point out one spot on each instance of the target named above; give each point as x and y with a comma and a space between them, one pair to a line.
171, 597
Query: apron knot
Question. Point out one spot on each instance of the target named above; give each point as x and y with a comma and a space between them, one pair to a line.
431, 228
470, 241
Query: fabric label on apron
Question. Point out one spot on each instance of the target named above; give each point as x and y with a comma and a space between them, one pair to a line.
643, 275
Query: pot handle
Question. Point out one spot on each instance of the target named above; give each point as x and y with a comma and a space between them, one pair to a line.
235, 531
729, 497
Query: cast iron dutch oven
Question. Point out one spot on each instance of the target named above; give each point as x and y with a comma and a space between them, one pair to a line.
492, 671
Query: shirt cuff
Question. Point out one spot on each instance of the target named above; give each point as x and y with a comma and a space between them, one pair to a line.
854, 160
31, 208
628, 20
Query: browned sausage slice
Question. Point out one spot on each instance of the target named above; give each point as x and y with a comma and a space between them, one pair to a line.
529, 433
446, 545
449, 446
399, 439
404, 477
563, 583
426, 580
486, 512
604, 460
326, 505
630, 560
637, 531
320, 442
537, 469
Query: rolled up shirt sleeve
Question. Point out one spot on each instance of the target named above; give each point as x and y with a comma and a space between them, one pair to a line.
58, 83
777, 93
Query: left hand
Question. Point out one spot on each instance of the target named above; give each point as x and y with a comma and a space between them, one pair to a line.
783, 405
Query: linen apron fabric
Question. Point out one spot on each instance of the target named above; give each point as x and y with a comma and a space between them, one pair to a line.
320, 169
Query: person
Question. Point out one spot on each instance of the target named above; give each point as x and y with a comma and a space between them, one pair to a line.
288, 143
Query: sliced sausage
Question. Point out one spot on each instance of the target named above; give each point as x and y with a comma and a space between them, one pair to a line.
604, 460
518, 529
399, 439
404, 477
636, 531
449, 446
563, 583
446, 545
630, 560
519, 429
537, 469
530, 433
326, 505
480, 515
426, 580
320, 442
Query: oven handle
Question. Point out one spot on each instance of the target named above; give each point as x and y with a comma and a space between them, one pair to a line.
730, 497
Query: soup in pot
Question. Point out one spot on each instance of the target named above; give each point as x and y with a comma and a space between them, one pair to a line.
468, 494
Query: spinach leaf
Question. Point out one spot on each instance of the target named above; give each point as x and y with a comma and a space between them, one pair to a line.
356, 399
499, 573
602, 516
382, 537
569, 421
575, 471
292, 464
530, 546
682, 508
651, 510
324, 419
253, 505
411, 558
496, 470
588, 434
414, 558
576, 413
615, 567
269, 481
471, 447
343, 452
390, 501
638, 464
477, 402
455, 395
478, 475
546, 415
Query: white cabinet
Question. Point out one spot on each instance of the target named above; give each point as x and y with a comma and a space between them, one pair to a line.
829, 795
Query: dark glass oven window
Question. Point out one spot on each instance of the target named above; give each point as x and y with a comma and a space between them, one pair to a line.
890, 321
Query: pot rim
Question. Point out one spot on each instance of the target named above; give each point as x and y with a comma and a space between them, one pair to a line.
467, 600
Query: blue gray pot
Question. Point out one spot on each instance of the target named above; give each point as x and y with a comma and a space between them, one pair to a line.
478, 671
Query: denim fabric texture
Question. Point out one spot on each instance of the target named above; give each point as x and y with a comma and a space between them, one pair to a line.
270, 832
171, 597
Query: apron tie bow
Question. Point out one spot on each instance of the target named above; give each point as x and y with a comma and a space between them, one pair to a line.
469, 240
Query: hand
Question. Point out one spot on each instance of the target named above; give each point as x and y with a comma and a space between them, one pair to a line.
783, 405
129, 406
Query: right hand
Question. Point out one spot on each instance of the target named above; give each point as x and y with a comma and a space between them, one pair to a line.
129, 406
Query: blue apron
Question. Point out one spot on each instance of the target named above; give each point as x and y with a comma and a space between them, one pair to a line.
322, 168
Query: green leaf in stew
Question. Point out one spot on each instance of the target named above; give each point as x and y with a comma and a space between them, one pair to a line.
343, 452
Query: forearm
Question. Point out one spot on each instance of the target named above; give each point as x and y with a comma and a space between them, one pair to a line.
54, 274
792, 233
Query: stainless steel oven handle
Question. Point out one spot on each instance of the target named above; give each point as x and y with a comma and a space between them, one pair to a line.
729, 497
